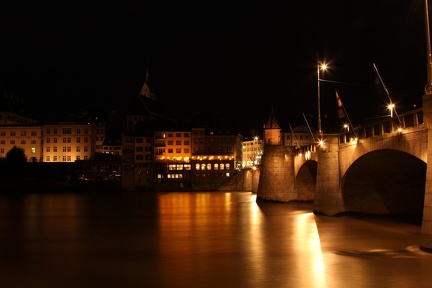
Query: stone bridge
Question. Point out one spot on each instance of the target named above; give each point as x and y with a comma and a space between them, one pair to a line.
380, 168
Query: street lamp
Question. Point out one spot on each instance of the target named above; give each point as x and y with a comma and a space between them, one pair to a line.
391, 107
320, 66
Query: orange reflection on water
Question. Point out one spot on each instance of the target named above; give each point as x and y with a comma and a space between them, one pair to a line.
55, 215
199, 232
308, 245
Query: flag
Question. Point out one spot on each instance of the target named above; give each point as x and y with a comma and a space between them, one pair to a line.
341, 112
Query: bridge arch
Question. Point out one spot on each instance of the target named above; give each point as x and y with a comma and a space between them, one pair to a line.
385, 181
305, 181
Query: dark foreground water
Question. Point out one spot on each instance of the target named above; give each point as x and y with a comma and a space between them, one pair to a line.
213, 239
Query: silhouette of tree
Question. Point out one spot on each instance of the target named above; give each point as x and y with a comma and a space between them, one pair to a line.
16, 156
15, 160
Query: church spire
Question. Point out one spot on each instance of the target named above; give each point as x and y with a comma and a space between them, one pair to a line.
145, 90
271, 122
272, 131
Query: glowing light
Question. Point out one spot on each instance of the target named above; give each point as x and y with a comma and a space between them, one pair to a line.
400, 129
321, 143
391, 107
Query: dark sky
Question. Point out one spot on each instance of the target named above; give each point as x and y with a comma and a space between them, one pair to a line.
214, 55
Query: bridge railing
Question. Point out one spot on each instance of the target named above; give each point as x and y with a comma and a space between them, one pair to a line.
409, 120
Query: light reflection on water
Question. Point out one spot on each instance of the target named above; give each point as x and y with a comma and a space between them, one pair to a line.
208, 239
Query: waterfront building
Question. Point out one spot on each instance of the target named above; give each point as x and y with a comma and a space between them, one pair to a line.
216, 158
252, 151
29, 138
172, 155
298, 137
141, 118
67, 142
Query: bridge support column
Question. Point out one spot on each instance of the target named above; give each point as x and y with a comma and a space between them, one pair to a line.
426, 231
328, 194
277, 178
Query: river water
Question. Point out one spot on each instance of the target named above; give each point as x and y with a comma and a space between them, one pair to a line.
194, 239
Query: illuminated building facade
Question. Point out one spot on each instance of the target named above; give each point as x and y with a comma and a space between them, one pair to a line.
67, 142
172, 154
252, 152
28, 138
216, 158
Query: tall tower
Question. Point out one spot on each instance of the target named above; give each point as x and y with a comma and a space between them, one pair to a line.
272, 131
277, 178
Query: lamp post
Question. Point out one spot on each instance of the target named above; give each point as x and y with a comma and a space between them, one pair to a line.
321, 66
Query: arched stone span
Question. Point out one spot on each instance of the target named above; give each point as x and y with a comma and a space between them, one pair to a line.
413, 143
385, 181
305, 181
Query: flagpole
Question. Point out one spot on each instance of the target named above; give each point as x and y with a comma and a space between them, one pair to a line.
346, 114
388, 94
349, 121
307, 123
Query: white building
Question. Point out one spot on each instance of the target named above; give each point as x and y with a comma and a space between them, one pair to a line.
29, 138
67, 142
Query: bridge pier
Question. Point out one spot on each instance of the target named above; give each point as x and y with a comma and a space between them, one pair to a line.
426, 231
277, 178
328, 194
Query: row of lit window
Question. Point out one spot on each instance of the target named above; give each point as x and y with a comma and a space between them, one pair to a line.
64, 158
67, 140
22, 133
2, 150
179, 167
178, 142
23, 142
216, 166
66, 149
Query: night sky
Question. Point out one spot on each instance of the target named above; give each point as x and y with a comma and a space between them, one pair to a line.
215, 55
